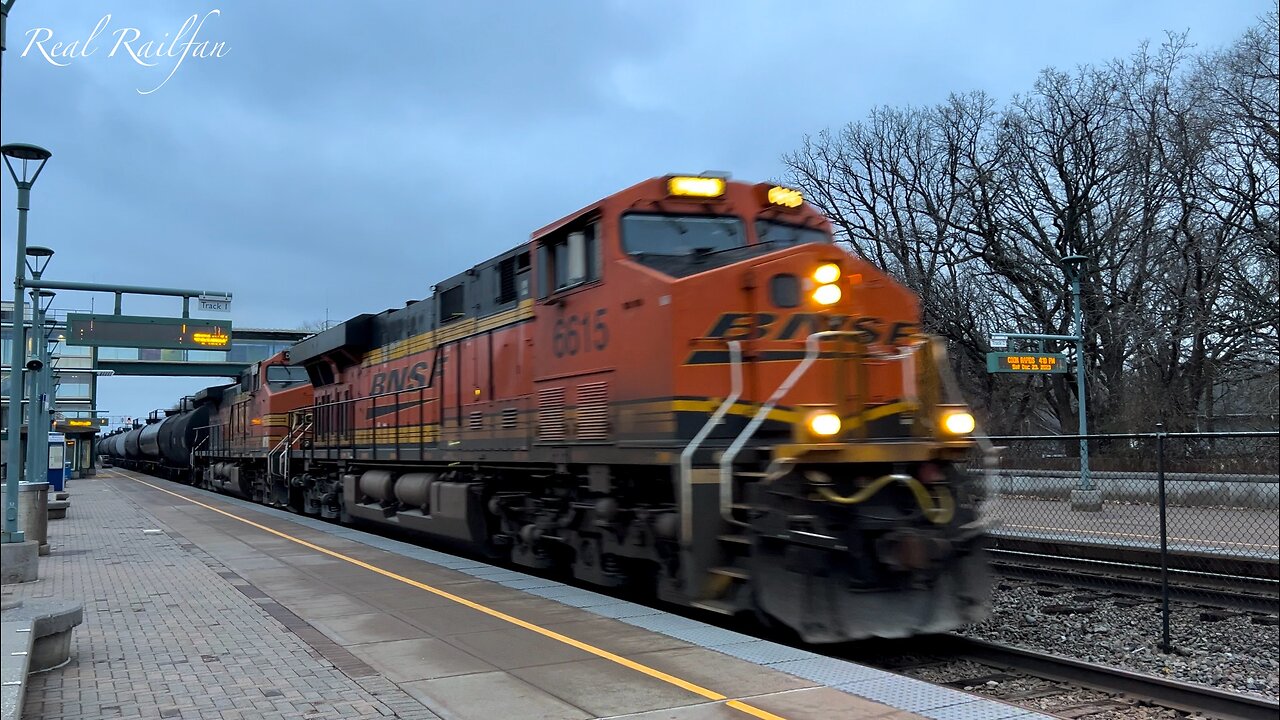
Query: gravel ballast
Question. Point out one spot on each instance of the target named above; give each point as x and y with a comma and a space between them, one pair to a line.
1230, 650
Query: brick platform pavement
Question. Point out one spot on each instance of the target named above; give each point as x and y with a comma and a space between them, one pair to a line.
169, 632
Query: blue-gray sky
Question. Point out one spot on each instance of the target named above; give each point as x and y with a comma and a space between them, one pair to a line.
340, 157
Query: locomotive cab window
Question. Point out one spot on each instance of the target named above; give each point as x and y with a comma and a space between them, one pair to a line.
679, 236
783, 235
568, 260
280, 377
682, 245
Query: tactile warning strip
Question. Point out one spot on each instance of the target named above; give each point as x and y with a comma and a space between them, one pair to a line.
905, 693
620, 610
763, 652
830, 671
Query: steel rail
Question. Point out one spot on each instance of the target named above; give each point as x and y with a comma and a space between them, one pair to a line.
1228, 591
1191, 561
1191, 697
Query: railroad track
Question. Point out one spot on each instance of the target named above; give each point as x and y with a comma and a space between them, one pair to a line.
1251, 594
1071, 687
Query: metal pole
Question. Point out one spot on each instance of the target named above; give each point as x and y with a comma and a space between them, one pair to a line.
16, 364
9, 531
35, 403
128, 289
92, 468
1085, 497
1165, 645
1086, 482
48, 390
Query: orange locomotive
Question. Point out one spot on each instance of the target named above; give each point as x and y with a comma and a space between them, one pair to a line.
685, 387
244, 444
229, 431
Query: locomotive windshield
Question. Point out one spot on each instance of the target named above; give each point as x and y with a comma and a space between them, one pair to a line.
782, 235
676, 235
283, 376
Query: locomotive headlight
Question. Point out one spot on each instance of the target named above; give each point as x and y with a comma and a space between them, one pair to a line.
701, 187
827, 294
786, 197
827, 273
958, 422
823, 423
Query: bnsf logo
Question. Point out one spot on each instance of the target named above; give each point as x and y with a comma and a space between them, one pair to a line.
798, 326
400, 379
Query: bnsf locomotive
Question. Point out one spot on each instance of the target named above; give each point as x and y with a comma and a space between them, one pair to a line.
685, 387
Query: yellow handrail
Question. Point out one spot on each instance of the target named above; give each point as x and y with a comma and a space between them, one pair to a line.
940, 512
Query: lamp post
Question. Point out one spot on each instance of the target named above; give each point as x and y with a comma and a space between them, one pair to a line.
4, 25
1085, 496
26, 155
41, 377
37, 366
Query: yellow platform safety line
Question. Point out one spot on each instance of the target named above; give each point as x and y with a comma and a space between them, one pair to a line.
585, 647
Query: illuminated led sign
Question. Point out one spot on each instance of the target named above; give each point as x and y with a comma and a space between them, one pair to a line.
157, 333
1026, 362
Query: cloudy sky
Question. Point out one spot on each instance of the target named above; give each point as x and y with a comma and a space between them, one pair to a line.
340, 157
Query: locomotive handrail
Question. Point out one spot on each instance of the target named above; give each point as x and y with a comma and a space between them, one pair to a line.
286, 456
907, 354
214, 443
686, 456
191, 460
812, 351
938, 512
272, 452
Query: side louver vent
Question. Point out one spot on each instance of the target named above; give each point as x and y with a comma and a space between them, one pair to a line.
593, 411
476, 421
551, 414
510, 418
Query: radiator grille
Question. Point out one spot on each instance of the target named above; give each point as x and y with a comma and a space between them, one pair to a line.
593, 411
551, 414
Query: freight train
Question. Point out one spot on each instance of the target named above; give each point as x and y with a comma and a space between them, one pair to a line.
686, 388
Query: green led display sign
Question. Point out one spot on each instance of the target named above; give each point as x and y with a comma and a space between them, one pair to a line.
155, 333
1026, 362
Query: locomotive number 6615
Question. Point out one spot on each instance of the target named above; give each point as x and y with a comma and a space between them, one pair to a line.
574, 333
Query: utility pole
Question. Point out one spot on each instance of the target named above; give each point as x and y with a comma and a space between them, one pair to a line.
1086, 496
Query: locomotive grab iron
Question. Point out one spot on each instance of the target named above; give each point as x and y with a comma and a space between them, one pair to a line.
685, 388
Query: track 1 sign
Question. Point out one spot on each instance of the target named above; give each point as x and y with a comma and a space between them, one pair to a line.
215, 303
1026, 362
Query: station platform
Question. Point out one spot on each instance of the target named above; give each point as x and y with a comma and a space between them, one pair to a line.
199, 605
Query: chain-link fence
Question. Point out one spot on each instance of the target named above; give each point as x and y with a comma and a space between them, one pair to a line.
1181, 525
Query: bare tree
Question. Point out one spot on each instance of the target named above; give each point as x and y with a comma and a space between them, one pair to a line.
1160, 168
